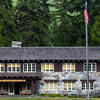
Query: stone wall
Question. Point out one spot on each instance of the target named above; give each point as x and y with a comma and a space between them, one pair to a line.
78, 76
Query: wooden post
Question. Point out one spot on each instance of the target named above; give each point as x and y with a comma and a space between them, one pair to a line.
21, 67
32, 87
36, 87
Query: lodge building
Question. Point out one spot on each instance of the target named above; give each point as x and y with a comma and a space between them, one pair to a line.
34, 70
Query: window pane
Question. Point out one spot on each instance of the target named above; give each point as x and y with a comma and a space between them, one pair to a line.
89, 67
13, 65
94, 67
29, 68
64, 67
51, 67
25, 65
83, 85
73, 86
43, 67
85, 68
72, 67
18, 69
51, 86
29, 65
47, 86
69, 85
33, 68
9, 69
25, 68
2, 65
28, 86
65, 86
47, 67
68, 67
2, 68
91, 85
55, 86
14, 69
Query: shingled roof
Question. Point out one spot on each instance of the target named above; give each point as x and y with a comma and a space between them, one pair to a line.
48, 53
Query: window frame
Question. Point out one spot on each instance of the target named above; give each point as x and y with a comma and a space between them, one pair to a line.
28, 66
91, 67
67, 88
14, 67
0, 68
89, 86
45, 67
70, 67
49, 86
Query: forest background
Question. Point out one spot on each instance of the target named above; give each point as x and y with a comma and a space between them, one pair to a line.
48, 22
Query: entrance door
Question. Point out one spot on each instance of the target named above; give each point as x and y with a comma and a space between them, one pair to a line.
17, 88
11, 89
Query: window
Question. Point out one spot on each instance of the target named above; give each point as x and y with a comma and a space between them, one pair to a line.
68, 67
84, 86
91, 67
29, 67
69, 86
51, 86
15, 67
2, 67
47, 67
3, 86
26, 87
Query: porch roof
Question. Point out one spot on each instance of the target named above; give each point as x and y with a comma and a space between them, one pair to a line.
21, 75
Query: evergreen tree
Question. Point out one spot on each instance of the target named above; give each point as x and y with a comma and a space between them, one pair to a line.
33, 22
7, 26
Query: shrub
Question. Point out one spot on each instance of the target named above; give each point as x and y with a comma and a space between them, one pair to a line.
52, 95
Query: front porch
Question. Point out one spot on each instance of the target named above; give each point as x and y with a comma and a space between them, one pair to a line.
19, 85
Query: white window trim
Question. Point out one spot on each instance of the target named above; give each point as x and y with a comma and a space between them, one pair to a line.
67, 86
91, 67
89, 87
27, 68
15, 68
45, 67
49, 90
0, 68
70, 67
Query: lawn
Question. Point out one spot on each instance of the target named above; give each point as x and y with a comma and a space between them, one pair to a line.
63, 98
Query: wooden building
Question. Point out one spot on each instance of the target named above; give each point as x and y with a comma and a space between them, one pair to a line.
33, 70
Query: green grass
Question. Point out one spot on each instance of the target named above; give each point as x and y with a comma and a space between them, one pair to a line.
56, 98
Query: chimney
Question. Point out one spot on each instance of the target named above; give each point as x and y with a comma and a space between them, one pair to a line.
16, 44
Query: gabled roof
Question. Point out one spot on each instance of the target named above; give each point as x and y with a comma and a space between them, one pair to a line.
48, 53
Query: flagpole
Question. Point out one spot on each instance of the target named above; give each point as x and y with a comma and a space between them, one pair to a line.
88, 94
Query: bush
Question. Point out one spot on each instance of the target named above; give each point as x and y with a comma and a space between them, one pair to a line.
74, 96
52, 95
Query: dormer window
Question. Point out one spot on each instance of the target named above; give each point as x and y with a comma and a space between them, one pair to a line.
47, 67
15, 67
91, 67
68, 67
29, 67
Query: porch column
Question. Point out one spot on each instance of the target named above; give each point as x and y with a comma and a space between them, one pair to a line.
36, 87
33, 87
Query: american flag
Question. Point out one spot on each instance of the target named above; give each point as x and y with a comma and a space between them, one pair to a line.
86, 13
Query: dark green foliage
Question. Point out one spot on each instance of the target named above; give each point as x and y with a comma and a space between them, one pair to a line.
33, 22
52, 95
49, 22
7, 25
